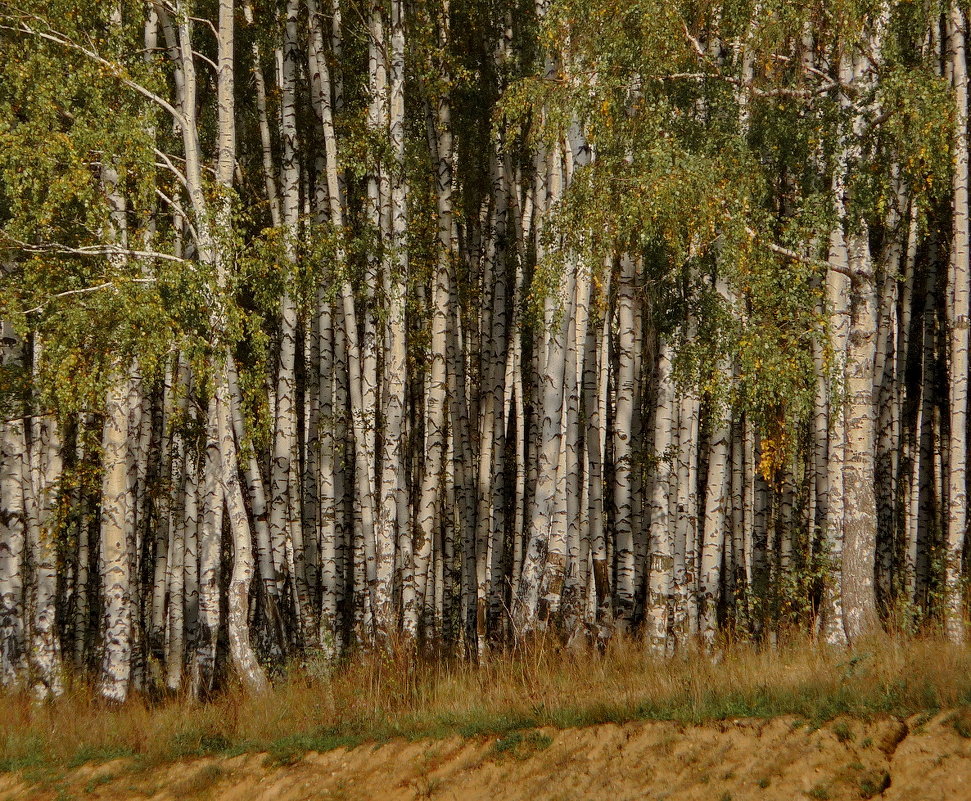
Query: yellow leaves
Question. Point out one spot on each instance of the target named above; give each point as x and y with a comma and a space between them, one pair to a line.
774, 451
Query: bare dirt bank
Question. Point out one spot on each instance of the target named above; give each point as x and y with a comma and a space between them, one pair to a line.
918, 759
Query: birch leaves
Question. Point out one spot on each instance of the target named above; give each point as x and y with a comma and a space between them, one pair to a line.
464, 321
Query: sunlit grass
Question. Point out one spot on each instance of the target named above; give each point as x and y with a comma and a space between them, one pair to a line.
376, 696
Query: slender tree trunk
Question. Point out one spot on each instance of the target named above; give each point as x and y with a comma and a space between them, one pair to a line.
436, 388
717, 498
115, 564
661, 576
959, 319
622, 446
393, 525
210, 542
13, 449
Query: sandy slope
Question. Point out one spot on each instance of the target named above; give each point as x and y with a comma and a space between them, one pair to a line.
923, 760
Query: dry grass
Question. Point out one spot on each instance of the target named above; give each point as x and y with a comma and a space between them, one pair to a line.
380, 695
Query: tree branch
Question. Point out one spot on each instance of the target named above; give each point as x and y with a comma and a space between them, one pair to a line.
819, 263
115, 69
93, 250
83, 291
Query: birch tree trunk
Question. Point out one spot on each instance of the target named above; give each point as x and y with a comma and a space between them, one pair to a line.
210, 541
285, 507
860, 511
837, 290
959, 319
437, 385
393, 524
623, 420
717, 498
115, 565
661, 577
13, 448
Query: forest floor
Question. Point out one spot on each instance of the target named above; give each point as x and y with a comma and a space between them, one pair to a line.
923, 758
890, 718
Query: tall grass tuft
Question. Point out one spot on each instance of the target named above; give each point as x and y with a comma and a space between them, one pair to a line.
374, 696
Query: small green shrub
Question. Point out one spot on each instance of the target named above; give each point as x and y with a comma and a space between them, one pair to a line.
843, 732
820, 793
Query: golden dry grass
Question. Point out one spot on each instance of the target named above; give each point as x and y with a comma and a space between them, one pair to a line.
375, 696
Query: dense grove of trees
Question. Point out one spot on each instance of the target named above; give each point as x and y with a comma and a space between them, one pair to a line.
332, 321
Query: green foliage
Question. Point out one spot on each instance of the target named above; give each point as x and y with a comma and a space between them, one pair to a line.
682, 178
68, 139
87, 754
696, 186
843, 732
193, 743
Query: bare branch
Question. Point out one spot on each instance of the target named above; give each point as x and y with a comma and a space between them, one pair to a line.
208, 24
798, 257
206, 59
83, 291
177, 208
93, 250
695, 44
748, 85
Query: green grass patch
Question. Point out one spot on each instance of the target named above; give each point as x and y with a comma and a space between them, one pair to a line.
92, 753
521, 745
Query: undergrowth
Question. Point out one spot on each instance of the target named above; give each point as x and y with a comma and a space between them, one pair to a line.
374, 697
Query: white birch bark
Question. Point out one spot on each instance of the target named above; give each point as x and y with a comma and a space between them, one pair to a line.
661, 576
686, 522
210, 540
244, 660
436, 389
393, 523
717, 498
837, 291
959, 319
13, 447
527, 614
860, 512
623, 420
266, 144
285, 497
360, 400
115, 563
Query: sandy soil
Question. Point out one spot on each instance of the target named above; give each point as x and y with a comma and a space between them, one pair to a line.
783, 759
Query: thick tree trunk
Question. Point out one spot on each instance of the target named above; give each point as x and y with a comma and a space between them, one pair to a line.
661, 577
115, 563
